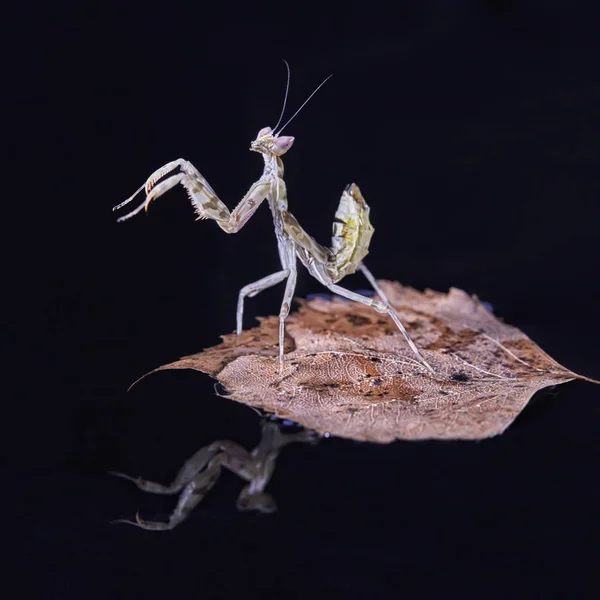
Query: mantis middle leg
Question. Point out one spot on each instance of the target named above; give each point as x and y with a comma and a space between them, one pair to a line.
254, 288
285, 311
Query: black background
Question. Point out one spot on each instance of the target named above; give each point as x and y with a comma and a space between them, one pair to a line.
473, 130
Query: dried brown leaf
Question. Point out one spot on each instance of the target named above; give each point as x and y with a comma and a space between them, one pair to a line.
348, 372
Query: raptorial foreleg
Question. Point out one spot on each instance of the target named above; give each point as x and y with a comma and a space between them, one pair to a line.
194, 480
190, 497
190, 469
201, 471
205, 201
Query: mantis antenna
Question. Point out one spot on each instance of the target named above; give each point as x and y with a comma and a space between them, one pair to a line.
303, 104
287, 89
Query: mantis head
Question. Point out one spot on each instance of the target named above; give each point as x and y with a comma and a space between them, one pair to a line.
267, 142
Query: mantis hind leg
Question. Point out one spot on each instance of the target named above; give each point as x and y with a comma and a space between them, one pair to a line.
369, 276
381, 308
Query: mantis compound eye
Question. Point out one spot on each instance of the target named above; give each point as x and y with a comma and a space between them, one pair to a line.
282, 144
264, 131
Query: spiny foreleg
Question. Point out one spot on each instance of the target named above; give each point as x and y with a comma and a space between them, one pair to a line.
201, 471
190, 497
194, 480
190, 469
205, 201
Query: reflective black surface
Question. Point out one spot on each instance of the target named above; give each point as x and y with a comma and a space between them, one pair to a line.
472, 130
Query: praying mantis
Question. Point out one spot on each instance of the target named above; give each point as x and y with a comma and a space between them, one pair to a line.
352, 230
